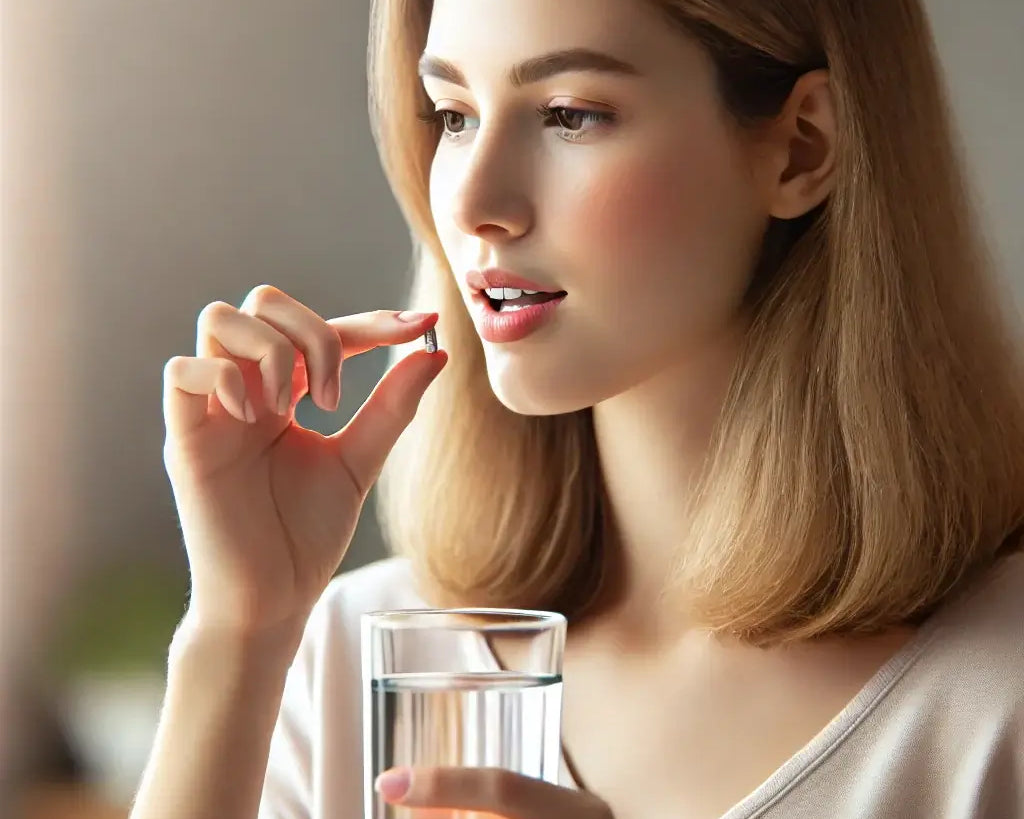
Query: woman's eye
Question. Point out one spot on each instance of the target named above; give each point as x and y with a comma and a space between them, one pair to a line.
573, 122
454, 122
571, 119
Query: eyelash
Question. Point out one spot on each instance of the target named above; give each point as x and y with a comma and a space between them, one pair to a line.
545, 112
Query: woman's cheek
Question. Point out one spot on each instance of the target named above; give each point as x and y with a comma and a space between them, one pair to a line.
661, 232
641, 209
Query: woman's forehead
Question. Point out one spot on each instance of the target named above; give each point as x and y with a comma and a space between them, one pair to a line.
495, 37
511, 25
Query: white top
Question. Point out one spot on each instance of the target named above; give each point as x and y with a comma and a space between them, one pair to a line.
937, 732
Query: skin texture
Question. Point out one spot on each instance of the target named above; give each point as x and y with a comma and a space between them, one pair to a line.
650, 222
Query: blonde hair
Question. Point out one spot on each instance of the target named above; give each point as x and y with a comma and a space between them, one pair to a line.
869, 456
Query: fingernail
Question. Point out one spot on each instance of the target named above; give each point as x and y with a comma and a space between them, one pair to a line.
284, 403
393, 784
410, 317
250, 413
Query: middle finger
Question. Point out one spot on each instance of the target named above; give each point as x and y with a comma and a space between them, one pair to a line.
319, 344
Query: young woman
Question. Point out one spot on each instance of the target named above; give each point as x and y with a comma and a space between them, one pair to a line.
762, 442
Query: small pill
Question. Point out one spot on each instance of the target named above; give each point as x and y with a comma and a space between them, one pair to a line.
430, 339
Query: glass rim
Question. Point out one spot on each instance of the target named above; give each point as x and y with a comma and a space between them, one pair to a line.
515, 619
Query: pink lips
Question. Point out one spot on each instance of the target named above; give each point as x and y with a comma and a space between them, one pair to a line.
502, 327
496, 277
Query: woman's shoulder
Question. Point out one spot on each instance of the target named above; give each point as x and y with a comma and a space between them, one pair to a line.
939, 727
989, 609
976, 640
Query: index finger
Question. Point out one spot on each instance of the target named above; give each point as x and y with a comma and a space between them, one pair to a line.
361, 332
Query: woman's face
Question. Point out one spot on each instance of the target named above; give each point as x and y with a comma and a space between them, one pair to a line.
639, 202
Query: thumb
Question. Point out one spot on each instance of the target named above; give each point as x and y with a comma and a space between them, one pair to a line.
369, 437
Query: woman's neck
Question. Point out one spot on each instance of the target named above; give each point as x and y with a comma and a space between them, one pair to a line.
653, 442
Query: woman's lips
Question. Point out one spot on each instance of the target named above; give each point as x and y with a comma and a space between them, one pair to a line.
513, 325
496, 277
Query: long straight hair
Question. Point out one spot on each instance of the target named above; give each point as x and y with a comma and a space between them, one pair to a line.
869, 456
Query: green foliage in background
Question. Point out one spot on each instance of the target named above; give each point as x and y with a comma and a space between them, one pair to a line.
119, 619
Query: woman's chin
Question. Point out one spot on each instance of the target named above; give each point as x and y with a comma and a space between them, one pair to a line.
528, 391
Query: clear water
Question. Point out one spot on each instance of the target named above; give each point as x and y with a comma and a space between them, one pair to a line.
500, 719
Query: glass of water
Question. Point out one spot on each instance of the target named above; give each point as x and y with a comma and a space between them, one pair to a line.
461, 687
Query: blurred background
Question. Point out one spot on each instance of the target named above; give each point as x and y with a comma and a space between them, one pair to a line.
158, 156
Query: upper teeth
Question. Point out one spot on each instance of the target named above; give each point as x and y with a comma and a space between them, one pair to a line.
505, 293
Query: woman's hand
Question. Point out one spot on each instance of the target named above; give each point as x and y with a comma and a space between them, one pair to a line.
492, 790
268, 508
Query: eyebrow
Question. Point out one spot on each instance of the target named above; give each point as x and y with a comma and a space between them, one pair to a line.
535, 68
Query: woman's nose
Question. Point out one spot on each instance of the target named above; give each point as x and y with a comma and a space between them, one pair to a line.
491, 200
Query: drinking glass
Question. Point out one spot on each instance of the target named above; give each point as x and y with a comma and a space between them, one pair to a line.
460, 687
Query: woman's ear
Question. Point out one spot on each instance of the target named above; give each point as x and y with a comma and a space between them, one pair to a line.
799, 164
